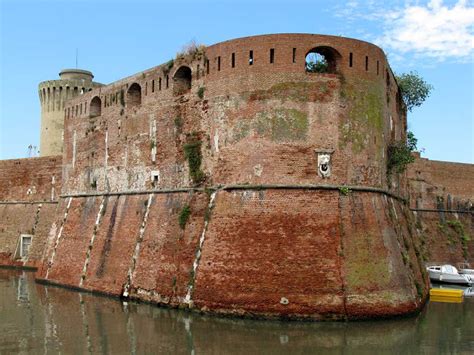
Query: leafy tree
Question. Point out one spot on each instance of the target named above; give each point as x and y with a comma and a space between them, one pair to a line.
414, 89
316, 63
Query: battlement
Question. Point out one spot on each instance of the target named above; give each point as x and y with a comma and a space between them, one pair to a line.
53, 95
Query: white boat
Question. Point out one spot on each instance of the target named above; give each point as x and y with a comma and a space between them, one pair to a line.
466, 269
448, 274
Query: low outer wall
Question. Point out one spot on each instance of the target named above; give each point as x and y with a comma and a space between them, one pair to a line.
274, 253
28, 190
442, 195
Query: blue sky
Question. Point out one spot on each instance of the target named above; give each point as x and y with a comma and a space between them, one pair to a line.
118, 38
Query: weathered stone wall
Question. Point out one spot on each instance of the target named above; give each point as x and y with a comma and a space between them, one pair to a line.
259, 123
31, 179
29, 190
442, 195
245, 252
266, 234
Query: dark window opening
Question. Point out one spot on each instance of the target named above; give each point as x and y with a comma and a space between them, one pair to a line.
294, 55
159, 84
167, 81
153, 86
218, 63
95, 107
134, 95
322, 60
198, 71
251, 58
350, 60
272, 55
182, 80
207, 66
233, 60
366, 63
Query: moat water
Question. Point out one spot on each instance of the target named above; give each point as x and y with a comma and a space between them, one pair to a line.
44, 319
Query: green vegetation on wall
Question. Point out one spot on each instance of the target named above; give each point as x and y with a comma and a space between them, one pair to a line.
399, 154
192, 152
184, 216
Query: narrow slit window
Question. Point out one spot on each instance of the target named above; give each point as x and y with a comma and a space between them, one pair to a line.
251, 58
197, 71
218, 63
167, 81
350, 60
159, 84
366, 63
153, 86
233, 60
207, 66
272, 55
294, 55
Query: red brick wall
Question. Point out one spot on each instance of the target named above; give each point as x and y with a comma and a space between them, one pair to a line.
441, 184
32, 179
331, 256
438, 185
257, 124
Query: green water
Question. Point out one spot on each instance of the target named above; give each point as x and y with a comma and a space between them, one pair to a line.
37, 319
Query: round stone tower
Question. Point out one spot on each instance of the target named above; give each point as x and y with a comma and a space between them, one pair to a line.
53, 95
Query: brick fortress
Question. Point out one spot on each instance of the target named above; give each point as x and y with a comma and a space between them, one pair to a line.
232, 180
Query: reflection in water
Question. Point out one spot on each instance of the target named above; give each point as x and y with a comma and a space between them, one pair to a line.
35, 319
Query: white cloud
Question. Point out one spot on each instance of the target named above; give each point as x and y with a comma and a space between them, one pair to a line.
434, 30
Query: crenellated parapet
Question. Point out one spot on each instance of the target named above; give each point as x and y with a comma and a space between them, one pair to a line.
53, 95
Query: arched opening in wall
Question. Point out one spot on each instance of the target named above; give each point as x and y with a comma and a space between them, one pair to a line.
134, 95
322, 60
95, 107
182, 80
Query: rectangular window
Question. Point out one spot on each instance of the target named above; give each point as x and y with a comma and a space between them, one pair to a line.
377, 67
251, 58
294, 55
272, 55
159, 84
350, 60
366, 63
218, 63
233, 60
153, 86
207, 66
25, 243
198, 71
167, 81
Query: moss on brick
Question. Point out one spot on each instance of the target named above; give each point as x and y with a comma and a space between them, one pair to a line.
365, 115
365, 267
278, 125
